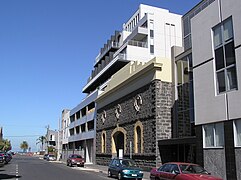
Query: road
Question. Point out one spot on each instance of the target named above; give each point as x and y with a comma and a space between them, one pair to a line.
32, 168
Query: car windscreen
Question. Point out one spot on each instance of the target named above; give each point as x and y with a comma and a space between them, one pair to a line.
192, 169
127, 163
77, 156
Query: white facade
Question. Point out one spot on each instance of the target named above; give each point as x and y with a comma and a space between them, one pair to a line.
150, 32
65, 126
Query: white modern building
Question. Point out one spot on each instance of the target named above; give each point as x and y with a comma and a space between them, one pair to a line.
149, 33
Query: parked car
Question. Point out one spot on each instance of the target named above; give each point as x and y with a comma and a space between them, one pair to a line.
2, 161
51, 157
7, 157
124, 168
45, 156
181, 171
75, 159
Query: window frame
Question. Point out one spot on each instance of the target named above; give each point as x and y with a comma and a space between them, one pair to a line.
223, 67
236, 133
214, 133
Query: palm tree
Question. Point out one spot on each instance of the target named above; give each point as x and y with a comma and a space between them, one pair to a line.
24, 146
42, 140
5, 145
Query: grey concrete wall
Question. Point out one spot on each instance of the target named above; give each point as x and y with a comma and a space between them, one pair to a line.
238, 162
214, 162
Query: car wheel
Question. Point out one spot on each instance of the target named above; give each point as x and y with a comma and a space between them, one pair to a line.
119, 176
109, 173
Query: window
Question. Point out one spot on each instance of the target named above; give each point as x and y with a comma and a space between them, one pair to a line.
224, 52
152, 49
237, 133
138, 137
213, 135
103, 140
151, 33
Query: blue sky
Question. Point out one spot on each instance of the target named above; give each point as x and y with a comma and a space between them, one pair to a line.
47, 51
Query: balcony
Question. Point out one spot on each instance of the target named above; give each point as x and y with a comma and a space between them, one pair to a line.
108, 47
82, 136
111, 68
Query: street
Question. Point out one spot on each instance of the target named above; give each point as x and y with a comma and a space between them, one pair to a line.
32, 168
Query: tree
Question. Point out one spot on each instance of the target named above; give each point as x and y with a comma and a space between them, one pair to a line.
5, 145
24, 146
42, 140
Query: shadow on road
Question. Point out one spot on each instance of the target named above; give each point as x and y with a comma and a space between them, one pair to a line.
6, 176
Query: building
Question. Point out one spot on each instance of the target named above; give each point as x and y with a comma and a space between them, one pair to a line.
51, 140
134, 112
1, 133
82, 128
64, 134
210, 60
149, 33
216, 67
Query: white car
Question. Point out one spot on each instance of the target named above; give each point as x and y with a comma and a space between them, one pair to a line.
51, 157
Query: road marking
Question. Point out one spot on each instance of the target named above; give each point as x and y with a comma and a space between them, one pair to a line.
16, 171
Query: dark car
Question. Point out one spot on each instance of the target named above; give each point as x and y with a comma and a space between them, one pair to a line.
124, 168
45, 156
75, 159
181, 171
2, 161
7, 158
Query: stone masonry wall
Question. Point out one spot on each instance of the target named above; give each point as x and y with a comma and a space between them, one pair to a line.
154, 114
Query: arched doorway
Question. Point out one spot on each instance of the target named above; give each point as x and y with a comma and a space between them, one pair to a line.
118, 141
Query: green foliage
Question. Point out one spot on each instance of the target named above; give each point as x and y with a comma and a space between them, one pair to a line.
51, 149
24, 146
5, 145
42, 140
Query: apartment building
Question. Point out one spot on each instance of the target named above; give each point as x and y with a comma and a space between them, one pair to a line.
209, 65
82, 128
149, 33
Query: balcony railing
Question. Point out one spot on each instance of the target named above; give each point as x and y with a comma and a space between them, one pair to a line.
137, 43
111, 45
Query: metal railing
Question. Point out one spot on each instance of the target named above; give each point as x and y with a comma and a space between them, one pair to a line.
137, 43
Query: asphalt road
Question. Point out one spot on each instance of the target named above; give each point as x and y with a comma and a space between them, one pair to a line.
32, 168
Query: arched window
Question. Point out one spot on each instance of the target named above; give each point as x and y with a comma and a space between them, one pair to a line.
138, 137
103, 142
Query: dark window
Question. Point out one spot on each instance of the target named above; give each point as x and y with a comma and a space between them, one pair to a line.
225, 56
151, 33
152, 49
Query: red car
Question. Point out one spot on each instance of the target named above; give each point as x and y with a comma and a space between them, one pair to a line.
75, 159
181, 171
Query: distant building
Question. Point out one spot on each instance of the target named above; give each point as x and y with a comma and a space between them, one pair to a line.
64, 133
1, 133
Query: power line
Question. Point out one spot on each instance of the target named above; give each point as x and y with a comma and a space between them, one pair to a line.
22, 136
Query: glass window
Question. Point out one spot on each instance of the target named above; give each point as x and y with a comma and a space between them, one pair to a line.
151, 33
237, 132
213, 135
225, 61
221, 81
217, 36
219, 58
227, 30
230, 53
152, 49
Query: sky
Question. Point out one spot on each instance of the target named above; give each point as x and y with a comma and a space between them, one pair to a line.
47, 52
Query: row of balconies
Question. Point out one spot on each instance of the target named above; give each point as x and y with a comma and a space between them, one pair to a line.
104, 62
